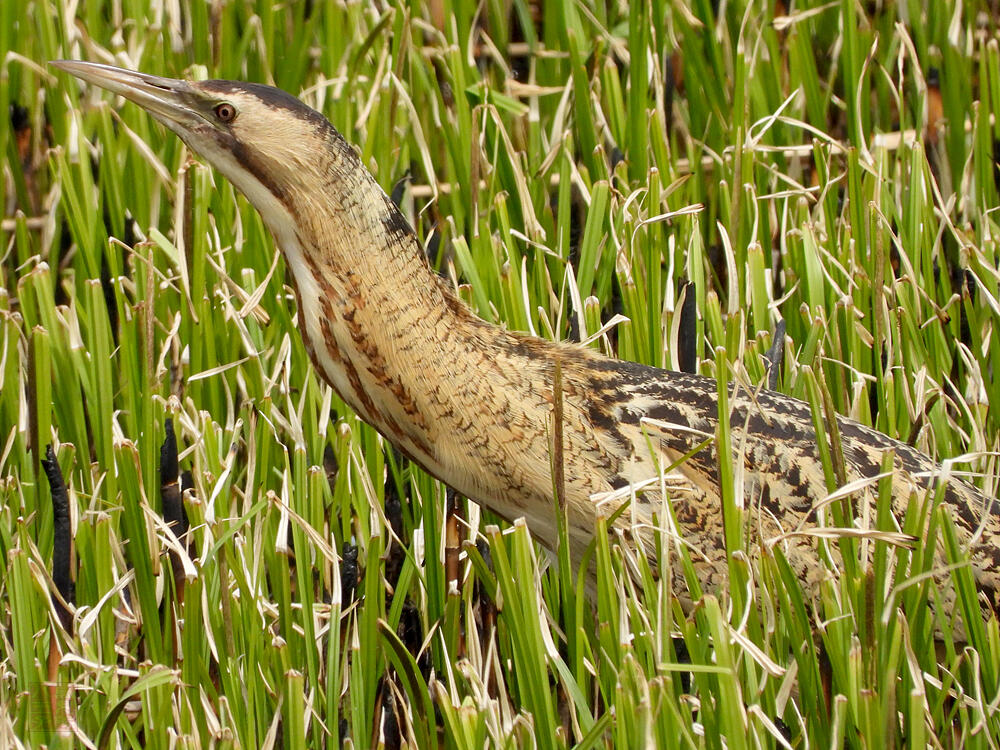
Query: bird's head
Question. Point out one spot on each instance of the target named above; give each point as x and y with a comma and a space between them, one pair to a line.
267, 142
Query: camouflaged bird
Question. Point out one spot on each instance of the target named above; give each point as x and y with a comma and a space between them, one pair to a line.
472, 403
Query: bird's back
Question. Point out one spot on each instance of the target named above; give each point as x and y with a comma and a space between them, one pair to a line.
648, 420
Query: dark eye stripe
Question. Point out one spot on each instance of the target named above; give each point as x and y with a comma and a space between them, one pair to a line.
245, 156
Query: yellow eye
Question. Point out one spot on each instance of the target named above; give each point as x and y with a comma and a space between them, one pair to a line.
226, 112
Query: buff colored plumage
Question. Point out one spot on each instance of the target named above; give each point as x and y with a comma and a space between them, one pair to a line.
472, 403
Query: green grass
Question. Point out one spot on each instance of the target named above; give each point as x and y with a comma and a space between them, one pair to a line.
839, 190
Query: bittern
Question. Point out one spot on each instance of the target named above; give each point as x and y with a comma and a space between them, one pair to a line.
472, 403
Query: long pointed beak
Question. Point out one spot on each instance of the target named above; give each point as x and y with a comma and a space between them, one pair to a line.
169, 100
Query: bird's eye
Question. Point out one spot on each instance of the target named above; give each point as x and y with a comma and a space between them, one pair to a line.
226, 112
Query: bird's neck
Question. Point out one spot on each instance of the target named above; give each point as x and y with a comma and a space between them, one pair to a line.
379, 324
469, 401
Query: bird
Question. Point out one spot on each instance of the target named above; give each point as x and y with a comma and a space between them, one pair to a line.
472, 402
